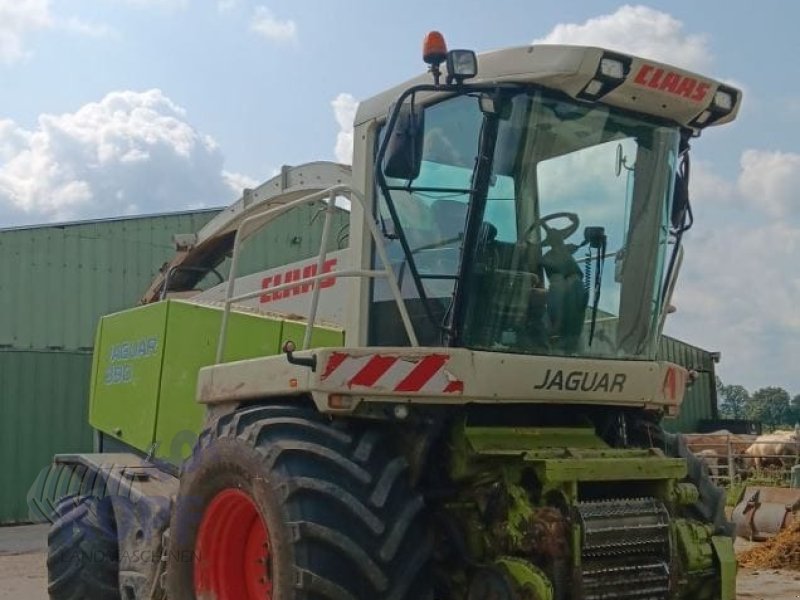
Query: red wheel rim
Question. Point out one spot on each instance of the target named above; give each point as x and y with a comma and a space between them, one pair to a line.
232, 553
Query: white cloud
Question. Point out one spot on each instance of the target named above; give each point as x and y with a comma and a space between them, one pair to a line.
638, 30
344, 110
770, 180
706, 184
738, 294
238, 182
265, 23
739, 287
18, 19
131, 152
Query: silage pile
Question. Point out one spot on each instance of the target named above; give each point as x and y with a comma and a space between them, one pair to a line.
780, 552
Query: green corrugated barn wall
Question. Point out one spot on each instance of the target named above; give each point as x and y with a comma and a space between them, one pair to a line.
42, 394
700, 401
55, 282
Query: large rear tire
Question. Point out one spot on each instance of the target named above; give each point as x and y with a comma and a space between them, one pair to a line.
278, 502
82, 550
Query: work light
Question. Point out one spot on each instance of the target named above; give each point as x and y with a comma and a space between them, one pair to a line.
461, 65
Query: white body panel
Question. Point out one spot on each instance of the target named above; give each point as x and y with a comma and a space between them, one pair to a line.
449, 376
650, 87
294, 302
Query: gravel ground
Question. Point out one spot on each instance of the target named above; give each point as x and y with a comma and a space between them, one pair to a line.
766, 584
23, 575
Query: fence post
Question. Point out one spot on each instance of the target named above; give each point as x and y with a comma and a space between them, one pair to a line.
731, 462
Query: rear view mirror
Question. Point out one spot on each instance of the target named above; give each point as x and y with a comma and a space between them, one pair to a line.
404, 151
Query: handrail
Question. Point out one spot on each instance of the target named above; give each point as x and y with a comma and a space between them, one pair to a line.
255, 222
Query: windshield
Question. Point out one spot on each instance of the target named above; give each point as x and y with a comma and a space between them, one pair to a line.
570, 227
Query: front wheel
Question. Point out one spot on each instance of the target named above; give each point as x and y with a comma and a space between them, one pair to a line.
82, 551
278, 503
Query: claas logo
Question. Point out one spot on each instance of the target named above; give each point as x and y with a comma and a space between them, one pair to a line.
290, 275
673, 83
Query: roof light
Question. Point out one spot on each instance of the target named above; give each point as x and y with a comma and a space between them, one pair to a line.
612, 68
461, 65
723, 101
722, 104
434, 49
593, 88
611, 72
704, 116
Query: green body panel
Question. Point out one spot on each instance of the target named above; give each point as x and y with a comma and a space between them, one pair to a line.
144, 376
191, 343
321, 337
127, 374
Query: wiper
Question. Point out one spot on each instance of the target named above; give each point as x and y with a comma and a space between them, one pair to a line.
597, 241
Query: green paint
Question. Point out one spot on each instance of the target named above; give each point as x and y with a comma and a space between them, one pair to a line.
726, 557
191, 343
127, 374
520, 512
694, 544
585, 468
531, 581
515, 440
685, 493
321, 337
144, 377
494, 464
559, 454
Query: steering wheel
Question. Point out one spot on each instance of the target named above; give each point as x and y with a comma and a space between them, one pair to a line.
554, 237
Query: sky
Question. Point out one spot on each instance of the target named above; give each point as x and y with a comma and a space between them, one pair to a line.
117, 107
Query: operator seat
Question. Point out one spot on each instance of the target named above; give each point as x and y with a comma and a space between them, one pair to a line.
567, 296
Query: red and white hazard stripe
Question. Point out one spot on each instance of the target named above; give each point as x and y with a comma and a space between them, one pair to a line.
426, 374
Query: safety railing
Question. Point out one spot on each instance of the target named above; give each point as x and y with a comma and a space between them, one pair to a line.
254, 223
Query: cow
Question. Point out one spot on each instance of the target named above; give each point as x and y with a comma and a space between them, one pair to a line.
721, 450
781, 448
713, 460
